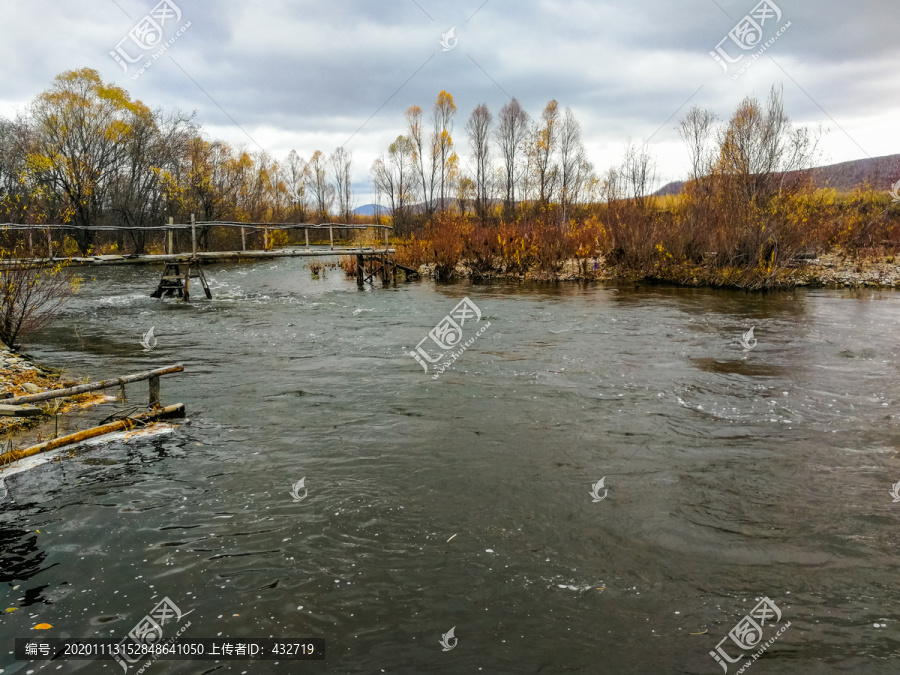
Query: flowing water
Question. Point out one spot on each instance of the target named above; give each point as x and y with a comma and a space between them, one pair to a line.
471, 501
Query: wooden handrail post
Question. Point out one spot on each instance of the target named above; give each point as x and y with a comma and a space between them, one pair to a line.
331, 236
306, 235
243, 239
92, 386
193, 235
154, 391
171, 238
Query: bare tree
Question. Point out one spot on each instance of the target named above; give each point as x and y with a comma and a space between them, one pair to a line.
322, 191
426, 174
341, 169
574, 169
30, 295
295, 175
544, 146
395, 177
696, 130
479, 127
638, 172
759, 148
18, 188
137, 197
511, 132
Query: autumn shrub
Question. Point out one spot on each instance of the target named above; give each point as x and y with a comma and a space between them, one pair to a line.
70, 248
589, 240
30, 294
866, 219
279, 239
480, 251
348, 264
446, 234
369, 237
634, 236
412, 252
551, 246
513, 248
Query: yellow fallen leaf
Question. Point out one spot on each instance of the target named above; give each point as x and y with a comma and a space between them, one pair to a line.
11, 609
42, 626
703, 633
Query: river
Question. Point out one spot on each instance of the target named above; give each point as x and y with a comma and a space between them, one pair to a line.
472, 501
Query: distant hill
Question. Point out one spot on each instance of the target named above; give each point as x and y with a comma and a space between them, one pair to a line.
879, 172
673, 188
371, 210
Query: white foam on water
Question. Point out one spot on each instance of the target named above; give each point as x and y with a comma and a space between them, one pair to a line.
42, 458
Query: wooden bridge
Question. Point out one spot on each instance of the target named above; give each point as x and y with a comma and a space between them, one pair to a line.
180, 268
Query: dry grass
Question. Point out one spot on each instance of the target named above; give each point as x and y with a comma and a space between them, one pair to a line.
348, 264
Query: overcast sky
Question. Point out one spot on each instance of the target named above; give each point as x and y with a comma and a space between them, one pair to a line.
283, 75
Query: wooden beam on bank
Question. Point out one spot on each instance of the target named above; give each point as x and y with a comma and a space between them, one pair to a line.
128, 423
19, 411
94, 386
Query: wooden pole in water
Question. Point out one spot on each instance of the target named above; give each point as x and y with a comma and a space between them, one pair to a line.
265, 238
193, 236
187, 269
359, 270
243, 239
331, 236
154, 391
55, 443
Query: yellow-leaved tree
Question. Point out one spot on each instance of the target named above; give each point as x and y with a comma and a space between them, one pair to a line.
84, 128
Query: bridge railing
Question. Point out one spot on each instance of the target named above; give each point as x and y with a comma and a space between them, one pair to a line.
139, 234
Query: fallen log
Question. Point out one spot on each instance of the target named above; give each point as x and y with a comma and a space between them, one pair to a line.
93, 386
62, 441
19, 411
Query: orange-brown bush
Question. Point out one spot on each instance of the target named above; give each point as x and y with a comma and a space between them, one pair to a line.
348, 264
411, 252
710, 234
446, 234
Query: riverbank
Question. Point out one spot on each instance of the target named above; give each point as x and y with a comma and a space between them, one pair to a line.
20, 376
875, 269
